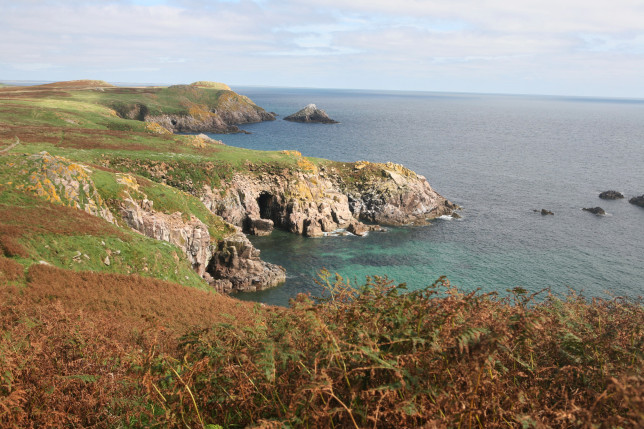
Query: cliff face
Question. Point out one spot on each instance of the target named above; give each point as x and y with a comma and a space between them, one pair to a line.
316, 200
229, 265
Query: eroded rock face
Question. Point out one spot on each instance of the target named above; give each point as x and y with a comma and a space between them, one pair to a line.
230, 265
314, 201
191, 235
311, 114
236, 267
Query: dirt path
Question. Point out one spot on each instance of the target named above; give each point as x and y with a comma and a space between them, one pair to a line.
7, 149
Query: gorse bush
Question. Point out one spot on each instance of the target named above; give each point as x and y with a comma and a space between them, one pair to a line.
378, 356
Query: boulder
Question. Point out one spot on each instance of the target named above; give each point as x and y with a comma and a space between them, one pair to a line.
595, 210
638, 201
260, 227
611, 195
311, 114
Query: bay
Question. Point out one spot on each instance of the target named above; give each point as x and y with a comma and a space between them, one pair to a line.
498, 156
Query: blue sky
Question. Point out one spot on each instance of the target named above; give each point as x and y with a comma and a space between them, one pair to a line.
568, 47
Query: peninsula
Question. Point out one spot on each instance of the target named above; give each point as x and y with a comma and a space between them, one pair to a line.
114, 153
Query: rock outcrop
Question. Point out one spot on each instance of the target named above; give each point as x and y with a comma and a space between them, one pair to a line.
311, 114
595, 210
638, 201
611, 195
62, 181
315, 200
236, 266
230, 265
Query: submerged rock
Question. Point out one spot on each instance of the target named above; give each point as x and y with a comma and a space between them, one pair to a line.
545, 212
595, 210
638, 201
611, 195
311, 114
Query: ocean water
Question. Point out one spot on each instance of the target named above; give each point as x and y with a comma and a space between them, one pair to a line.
499, 157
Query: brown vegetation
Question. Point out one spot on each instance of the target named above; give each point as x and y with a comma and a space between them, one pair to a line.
71, 345
432, 358
10, 270
45, 217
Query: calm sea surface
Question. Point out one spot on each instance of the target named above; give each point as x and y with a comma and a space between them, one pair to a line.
499, 157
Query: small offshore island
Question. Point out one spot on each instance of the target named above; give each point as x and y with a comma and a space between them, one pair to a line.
118, 236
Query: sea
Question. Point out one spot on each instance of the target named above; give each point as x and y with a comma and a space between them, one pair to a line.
500, 157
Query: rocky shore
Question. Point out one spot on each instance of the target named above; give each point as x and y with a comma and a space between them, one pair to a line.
327, 198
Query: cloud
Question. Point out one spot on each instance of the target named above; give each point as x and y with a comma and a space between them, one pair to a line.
497, 46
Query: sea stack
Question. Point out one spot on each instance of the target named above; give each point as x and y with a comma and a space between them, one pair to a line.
311, 114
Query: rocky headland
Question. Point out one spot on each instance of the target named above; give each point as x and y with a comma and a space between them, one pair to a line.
318, 200
193, 192
311, 114
200, 107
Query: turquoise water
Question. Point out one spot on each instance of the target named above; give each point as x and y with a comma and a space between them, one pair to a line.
499, 157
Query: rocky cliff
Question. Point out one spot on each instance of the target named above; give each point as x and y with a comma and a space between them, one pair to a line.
229, 264
315, 200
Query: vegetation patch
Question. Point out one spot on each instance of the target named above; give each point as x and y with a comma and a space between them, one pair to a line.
72, 345
378, 357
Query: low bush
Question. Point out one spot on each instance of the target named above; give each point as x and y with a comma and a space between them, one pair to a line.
378, 357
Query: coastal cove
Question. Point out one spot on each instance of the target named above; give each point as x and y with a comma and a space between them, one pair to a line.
500, 158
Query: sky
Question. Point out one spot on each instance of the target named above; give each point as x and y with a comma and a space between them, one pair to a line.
558, 47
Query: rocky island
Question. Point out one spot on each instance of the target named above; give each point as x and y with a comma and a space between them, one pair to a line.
638, 201
611, 195
124, 165
311, 114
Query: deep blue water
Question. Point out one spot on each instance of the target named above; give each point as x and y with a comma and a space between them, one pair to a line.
499, 157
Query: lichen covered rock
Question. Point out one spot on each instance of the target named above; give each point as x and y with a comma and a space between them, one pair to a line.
62, 181
316, 200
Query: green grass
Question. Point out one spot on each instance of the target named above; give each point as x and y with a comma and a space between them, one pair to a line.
81, 243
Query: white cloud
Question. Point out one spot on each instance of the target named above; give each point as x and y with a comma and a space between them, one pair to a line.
497, 46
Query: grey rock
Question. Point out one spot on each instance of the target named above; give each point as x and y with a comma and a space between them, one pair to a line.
638, 201
611, 195
311, 114
595, 210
